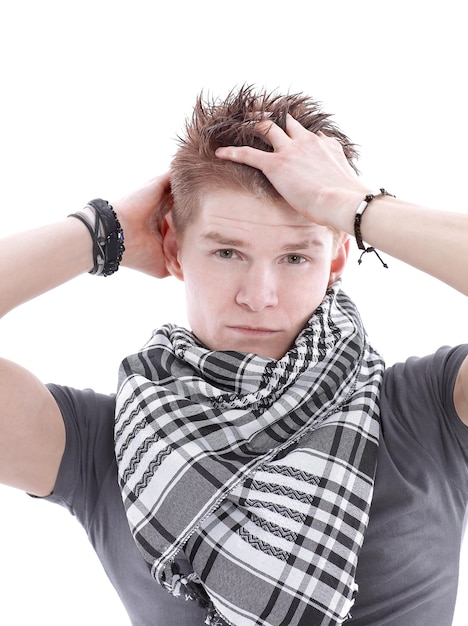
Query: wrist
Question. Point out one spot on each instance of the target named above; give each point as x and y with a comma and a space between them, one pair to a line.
368, 198
106, 233
340, 207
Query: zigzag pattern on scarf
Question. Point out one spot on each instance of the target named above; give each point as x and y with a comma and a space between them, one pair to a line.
274, 529
279, 509
261, 545
291, 472
149, 472
133, 434
282, 490
139, 454
131, 416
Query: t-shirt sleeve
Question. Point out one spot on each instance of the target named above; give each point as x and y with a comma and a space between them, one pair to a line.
89, 449
420, 392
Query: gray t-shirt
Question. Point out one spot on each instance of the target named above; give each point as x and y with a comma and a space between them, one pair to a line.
408, 566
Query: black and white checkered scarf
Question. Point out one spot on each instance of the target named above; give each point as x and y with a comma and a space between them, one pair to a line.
261, 471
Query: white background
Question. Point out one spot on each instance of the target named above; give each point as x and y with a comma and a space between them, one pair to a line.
93, 94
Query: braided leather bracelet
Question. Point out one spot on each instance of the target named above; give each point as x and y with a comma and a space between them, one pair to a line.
107, 236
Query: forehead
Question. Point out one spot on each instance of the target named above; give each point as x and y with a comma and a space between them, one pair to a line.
243, 213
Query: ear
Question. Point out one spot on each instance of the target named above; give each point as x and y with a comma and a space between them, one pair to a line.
339, 259
171, 247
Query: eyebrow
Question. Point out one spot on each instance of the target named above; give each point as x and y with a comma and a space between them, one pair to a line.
305, 244
222, 240
216, 237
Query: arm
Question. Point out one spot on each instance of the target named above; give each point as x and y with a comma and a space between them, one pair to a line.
34, 262
312, 174
32, 436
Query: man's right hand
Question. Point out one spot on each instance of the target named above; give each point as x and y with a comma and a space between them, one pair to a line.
141, 216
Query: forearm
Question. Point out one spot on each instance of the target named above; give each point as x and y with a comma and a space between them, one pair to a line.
435, 242
36, 261
313, 175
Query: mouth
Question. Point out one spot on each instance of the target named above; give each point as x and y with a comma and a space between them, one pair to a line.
254, 331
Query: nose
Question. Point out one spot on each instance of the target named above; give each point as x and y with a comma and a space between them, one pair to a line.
258, 289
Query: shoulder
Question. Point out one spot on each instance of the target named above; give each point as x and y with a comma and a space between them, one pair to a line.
85, 412
437, 372
460, 394
89, 450
82, 405
88, 417
419, 416
421, 393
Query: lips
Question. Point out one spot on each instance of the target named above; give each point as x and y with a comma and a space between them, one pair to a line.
254, 330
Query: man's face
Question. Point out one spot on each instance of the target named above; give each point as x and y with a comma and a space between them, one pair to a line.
254, 272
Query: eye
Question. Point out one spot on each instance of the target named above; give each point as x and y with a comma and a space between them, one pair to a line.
226, 253
295, 259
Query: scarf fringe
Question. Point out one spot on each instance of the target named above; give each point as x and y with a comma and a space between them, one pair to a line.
190, 587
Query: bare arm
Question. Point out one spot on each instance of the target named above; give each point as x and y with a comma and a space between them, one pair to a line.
32, 436
32, 433
33, 262
312, 174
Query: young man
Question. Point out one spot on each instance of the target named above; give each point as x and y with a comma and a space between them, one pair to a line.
263, 465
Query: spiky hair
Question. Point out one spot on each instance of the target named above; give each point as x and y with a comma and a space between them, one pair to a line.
195, 170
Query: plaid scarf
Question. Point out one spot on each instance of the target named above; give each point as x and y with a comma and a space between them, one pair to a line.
261, 471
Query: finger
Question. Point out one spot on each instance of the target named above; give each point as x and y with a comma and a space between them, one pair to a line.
245, 154
159, 188
160, 182
272, 133
294, 128
165, 178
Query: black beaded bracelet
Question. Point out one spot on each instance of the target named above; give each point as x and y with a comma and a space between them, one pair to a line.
357, 224
107, 236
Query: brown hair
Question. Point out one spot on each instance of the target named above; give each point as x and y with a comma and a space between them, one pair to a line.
230, 122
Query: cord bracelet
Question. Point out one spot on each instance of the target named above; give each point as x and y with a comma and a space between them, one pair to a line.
106, 233
357, 225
